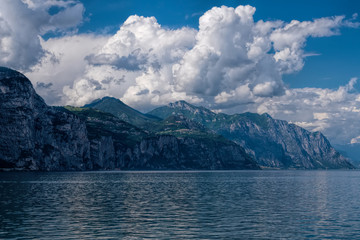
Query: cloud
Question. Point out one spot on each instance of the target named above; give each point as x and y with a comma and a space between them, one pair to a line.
141, 54
135, 61
64, 63
22, 23
228, 54
311, 54
230, 60
187, 16
321, 116
355, 140
289, 40
43, 85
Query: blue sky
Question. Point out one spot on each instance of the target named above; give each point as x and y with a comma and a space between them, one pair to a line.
296, 60
173, 13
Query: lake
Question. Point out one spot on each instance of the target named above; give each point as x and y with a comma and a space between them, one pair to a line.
180, 205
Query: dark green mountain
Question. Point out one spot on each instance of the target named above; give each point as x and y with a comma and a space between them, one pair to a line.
175, 125
122, 111
273, 143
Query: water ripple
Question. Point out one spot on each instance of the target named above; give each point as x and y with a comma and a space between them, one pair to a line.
180, 205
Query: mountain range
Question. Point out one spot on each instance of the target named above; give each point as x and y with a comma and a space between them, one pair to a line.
108, 134
350, 151
272, 143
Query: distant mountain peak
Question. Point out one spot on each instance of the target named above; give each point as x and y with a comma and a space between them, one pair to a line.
121, 110
266, 115
181, 104
185, 106
107, 99
110, 98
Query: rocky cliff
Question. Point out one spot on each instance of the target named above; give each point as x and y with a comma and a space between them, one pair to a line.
38, 137
278, 144
273, 143
35, 136
120, 145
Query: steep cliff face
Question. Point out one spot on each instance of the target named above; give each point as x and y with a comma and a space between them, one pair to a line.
278, 144
167, 152
273, 143
116, 144
34, 136
190, 153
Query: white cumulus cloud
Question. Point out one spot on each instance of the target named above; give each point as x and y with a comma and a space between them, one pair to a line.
230, 60
355, 140
64, 63
23, 22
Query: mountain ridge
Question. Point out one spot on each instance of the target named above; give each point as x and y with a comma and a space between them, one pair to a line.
273, 143
121, 110
38, 137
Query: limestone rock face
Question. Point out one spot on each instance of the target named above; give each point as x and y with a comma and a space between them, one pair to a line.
116, 144
35, 136
278, 144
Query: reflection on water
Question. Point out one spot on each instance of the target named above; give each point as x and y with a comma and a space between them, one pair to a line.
180, 205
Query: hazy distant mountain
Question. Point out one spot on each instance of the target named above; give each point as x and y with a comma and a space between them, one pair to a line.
351, 151
273, 143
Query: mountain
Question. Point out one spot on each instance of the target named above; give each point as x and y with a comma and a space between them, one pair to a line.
273, 143
117, 144
35, 136
351, 151
38, 137
122, 111
198, 114
180, 126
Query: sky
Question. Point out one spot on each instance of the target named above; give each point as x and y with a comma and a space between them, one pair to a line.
296, 60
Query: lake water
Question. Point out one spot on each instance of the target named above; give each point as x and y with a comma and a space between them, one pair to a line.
181, 205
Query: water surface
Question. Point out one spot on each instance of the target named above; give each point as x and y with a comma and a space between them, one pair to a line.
181, 205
